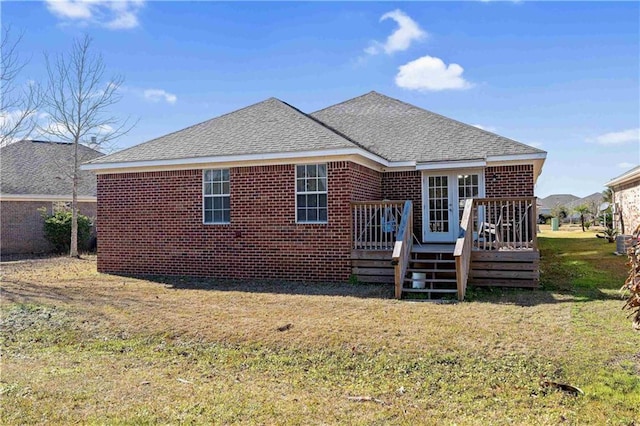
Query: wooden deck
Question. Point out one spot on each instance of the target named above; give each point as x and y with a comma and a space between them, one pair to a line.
497, 248
519, 268
372, 266
503, 268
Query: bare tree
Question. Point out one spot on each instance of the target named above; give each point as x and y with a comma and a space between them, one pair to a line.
77, 98
18, 102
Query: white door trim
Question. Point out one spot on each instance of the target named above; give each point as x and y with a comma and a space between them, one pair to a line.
453, 200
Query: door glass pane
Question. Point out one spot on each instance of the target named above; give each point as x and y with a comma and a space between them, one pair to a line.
438, 219
467, 188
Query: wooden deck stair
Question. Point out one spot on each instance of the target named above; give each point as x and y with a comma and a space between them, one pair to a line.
434, 260
431, 272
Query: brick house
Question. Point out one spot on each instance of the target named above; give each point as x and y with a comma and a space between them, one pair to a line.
626, 200
271, 192
36, 175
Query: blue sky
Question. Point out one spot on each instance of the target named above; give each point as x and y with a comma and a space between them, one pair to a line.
563, 77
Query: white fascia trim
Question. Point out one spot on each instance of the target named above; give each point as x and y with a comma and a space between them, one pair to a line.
45, 197
516, 157
628, 176
236, 158
445, 165
624, 179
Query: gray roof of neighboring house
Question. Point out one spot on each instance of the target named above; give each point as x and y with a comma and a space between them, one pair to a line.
399, 131
557, 200
270, 126
595, 198
35, 167
384, 126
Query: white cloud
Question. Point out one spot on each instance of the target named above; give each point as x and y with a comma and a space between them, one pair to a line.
487, 128
157, 95
70, 9
55, 129
9, 118
112, 14
626, 165
431, 74
617, 138
104, 129
407, 32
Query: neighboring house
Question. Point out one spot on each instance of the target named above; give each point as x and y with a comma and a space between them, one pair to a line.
36, 175
270, 192
626, 200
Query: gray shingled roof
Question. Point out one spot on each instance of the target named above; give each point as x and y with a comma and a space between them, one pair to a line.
555, 200
271, 126
35, 167
594, 199
399, 131
384, 126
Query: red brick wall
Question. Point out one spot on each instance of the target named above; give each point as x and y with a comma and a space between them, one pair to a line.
22, 225
510, 181
403, 186
151, 223
366, 183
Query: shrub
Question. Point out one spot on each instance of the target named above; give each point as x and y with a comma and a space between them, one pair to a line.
610, 234
57, 230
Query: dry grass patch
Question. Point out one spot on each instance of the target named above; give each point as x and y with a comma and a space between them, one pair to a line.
83, 346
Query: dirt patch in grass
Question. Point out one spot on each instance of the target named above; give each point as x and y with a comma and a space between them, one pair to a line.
82, 346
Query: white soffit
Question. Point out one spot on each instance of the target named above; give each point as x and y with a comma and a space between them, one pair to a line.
445, 165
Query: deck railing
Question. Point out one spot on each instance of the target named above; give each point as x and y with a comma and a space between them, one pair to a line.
505, 223
375, 224
462, 250
402, 248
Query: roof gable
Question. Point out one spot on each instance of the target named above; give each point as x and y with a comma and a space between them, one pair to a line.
270, 126
399, 131
44, 168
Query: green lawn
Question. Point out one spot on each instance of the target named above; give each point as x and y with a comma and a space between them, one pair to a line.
78, 346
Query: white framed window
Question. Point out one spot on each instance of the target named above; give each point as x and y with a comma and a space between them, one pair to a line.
311, 193
216, 200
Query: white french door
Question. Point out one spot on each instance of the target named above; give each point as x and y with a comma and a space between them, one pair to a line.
443, 197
